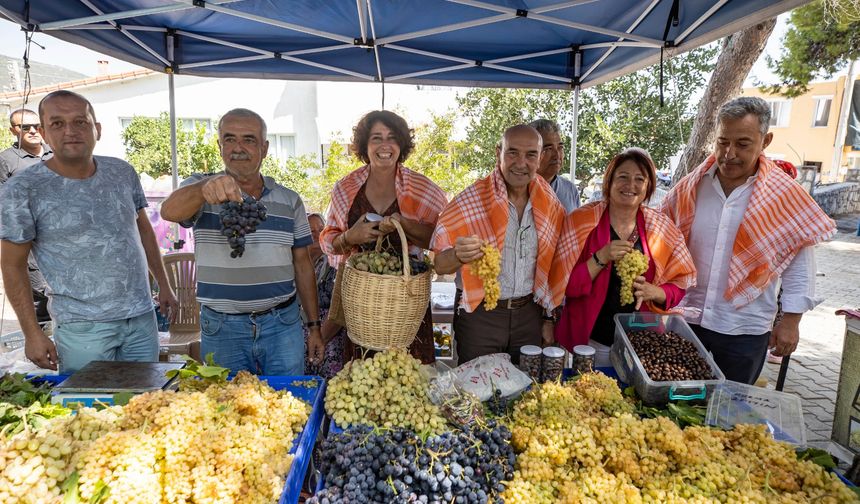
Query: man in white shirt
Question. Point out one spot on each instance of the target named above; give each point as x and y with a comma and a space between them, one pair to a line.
551, 163
750, 228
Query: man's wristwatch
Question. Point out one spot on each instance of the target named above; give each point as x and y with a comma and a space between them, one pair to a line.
313, 323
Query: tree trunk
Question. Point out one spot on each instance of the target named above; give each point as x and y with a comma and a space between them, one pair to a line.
740, 52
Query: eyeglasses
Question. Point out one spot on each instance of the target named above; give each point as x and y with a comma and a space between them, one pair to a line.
28, 127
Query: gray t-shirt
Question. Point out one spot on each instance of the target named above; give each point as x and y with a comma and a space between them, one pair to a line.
85, 238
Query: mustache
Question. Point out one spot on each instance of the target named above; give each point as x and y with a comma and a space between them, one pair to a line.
240, 157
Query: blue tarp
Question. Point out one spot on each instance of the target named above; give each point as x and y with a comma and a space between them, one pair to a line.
498, 43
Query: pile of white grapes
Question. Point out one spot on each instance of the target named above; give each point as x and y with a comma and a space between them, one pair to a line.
632, 265
227, 443
581, 442
488, 268
387, 390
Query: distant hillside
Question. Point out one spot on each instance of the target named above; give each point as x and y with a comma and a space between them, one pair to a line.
41, 74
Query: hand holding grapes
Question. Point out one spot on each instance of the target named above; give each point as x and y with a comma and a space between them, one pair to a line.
644, 291
221, 188
614, 251
468, 249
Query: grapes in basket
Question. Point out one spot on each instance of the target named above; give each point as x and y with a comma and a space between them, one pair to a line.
387, 263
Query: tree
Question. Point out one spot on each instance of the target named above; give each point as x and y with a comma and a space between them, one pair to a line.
822, 38
147, 147
624, 112
439, 157
739, 52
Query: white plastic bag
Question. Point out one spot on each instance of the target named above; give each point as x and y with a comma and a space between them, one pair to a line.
483, 375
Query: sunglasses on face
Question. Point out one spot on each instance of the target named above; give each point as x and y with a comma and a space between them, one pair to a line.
28, 127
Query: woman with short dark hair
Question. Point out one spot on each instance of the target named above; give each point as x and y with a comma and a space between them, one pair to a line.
383, 186
605, 231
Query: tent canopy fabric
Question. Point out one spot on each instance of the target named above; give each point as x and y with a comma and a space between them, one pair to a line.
481, 43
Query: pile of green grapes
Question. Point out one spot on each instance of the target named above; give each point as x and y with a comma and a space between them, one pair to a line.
386, 263
227, 443
581, 442
632, 265
488, 268
387, 390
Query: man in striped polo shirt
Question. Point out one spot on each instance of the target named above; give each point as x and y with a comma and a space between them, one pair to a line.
249, 318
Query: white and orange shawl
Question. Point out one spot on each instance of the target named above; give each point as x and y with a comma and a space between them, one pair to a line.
417, 196
482, 210
780, 220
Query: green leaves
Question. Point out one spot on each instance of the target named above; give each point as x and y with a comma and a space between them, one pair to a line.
621, 113
199, 376
71, 495
823, 37
24, 405
817, 456
147, 147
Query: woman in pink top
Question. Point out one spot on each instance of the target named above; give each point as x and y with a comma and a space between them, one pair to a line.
605, 231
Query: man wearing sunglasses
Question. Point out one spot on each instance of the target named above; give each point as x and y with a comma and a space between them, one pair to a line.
27, 150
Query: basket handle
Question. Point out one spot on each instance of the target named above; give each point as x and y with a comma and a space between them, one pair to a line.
407, 271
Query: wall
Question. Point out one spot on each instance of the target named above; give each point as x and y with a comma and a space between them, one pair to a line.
288, 107
838, 199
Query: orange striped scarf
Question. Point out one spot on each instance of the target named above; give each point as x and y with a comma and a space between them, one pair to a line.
780, 220
672, 261
417, 196
482, 210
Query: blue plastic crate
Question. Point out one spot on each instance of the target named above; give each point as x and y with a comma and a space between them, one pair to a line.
303, 445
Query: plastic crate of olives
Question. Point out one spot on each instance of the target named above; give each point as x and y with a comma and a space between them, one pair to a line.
661, 357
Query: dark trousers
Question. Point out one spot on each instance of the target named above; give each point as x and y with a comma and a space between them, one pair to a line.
500, 330
739, 357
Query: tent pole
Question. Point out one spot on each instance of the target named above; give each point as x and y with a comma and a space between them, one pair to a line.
174, 167
842, 125
574, 133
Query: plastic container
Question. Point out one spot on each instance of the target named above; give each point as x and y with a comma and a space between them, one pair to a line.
630, 369
530, 361
553, 364
733, 403
583, 358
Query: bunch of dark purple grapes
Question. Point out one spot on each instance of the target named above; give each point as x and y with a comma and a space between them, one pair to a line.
239, 220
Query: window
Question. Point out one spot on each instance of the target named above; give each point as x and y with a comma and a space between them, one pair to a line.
779, 113
821, 111
281, 146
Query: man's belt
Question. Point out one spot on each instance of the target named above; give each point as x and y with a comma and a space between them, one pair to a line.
514, 303
279, 306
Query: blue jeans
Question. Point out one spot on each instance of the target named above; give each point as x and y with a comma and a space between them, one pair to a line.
270, 344
133, 339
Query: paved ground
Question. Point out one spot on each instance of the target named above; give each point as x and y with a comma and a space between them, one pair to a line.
814, 370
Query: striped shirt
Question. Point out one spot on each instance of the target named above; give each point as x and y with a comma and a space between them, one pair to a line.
264, 276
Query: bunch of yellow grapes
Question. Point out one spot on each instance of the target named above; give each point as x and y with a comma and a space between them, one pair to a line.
632, 265
387, 390
488, 268
227, 443
581, 442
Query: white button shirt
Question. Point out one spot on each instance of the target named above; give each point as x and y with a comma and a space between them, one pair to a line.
712, 237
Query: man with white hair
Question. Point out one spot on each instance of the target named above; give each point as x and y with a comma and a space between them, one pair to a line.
750, 227
551, 163
249, 318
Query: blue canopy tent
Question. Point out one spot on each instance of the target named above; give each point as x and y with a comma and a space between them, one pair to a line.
561, 44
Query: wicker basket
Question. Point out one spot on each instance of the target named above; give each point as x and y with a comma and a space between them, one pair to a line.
385, 311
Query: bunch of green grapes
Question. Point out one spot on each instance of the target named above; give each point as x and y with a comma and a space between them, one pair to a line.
227, 443
387, 390
580, 442
854, 440
632, 265
488, 268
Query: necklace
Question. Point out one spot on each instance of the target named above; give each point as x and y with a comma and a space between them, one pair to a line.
634, 235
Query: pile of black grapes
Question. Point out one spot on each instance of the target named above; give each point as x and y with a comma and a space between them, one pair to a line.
240, 219
467, 466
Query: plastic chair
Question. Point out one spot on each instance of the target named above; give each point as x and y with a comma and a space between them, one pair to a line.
182, 277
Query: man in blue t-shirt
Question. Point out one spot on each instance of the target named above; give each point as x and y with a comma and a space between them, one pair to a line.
249, 317
83, 217
551, 163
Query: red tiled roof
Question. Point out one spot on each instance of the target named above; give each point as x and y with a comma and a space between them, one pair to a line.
80, 83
